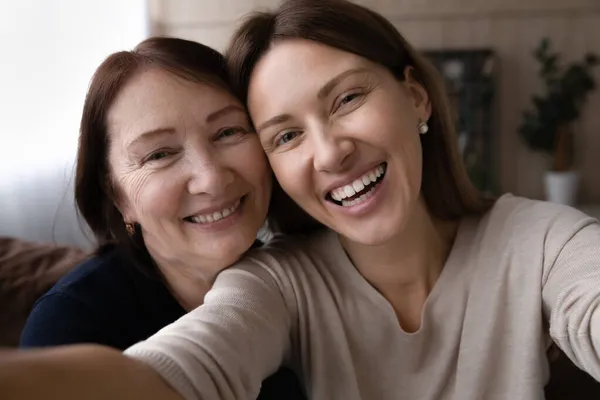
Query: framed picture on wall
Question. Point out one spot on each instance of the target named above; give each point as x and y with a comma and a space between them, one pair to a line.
470, 76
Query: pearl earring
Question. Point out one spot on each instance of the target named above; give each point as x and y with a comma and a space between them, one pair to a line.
423, 128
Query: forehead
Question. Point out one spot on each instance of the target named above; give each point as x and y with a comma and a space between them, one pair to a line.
153, 96
295, 67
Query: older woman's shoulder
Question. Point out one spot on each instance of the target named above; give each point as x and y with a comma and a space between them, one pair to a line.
93, 269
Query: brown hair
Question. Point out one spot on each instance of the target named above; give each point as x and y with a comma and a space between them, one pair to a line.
95, 193
446, 187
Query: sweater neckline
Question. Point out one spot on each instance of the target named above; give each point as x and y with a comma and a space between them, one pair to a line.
449, 273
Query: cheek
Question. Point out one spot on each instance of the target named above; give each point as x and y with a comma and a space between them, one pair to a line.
408, 158
292, 175
390, 126
399, 135
250, 162
152, 195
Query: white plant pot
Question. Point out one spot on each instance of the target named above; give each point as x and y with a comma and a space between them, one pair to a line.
562, 187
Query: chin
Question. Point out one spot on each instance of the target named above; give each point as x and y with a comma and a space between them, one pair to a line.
225, 256
375, 233
228, 250
368, 239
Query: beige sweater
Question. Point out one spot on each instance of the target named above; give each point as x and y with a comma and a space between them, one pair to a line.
525, 273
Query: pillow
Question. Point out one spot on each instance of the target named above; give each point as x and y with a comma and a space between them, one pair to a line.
27, 271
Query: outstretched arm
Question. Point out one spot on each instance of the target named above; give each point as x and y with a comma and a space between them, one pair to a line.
571, 290
75, 372
226, 347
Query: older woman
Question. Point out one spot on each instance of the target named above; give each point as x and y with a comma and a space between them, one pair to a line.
174, 185
418, 288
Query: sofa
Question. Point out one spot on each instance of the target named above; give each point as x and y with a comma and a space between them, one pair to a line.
28, 270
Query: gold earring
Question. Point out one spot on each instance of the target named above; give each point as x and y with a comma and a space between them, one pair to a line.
423, 128
129, 228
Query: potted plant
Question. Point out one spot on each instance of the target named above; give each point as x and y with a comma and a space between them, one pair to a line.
548, 127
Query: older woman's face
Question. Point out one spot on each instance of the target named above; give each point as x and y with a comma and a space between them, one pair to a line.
188, 169
341, 135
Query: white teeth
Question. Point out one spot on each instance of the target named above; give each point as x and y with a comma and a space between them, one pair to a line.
215, 216
357, 186
349, 191
362, 198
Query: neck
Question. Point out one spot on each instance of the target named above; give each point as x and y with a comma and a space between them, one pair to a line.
405, 268
188, 285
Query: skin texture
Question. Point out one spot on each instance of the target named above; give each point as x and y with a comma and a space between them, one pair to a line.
344, 116
178, 149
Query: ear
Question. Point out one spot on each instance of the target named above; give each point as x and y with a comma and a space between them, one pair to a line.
126, 211
418, 94
128, 216
122, 204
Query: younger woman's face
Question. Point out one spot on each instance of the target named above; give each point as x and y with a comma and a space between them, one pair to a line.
188, 169
340, 133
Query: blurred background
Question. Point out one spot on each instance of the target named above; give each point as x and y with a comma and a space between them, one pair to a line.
495, 55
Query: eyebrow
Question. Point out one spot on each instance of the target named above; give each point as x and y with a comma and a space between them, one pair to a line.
329, 86
279, 119
232, 108
150, 134
322, 93
170, 130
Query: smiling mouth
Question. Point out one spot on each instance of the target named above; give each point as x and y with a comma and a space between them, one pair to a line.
216, 215
359, 190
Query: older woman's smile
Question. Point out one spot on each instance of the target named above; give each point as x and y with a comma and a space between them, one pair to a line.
215, 214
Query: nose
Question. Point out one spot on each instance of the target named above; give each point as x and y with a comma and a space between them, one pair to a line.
331, 151
209, 175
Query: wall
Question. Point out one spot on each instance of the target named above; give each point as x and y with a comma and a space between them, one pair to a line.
511, 27
49, 53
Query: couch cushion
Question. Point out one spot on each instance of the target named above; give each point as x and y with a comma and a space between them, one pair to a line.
28, 270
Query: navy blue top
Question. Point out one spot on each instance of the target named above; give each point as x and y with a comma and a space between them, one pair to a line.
106, 300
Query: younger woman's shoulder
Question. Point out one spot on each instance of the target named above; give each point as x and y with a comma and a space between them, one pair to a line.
515, 215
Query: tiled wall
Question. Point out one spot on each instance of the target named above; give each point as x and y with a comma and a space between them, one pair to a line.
511, 27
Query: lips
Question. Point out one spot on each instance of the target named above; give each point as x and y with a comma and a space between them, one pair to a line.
358, 189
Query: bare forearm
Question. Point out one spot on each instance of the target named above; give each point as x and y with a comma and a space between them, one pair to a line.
77, 372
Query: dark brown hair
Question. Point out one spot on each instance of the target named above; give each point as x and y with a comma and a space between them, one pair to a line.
95, 193
446, 187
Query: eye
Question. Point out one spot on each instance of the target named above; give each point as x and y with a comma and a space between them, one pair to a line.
231, 132
348, 98
157, 155
287, 137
